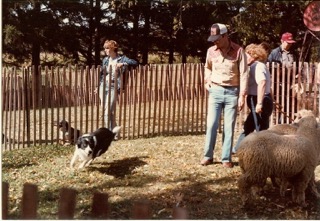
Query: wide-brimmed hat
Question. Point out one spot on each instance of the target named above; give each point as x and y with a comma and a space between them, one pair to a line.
217, 30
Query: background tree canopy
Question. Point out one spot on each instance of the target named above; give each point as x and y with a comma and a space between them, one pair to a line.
63, 32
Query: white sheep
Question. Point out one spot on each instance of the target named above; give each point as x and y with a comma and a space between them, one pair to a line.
288, 157
291, 128
287, 129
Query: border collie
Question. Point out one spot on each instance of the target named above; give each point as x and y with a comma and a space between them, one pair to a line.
90, 146
66, 138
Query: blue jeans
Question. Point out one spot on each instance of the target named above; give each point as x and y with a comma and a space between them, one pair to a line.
108, 112
225, 98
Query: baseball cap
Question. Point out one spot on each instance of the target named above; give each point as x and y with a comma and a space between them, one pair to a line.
217, 30
288, 37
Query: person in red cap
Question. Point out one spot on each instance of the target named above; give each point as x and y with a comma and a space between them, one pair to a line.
226, 80
283, 54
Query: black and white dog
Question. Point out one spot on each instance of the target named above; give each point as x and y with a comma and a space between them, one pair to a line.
67, 134
90, 146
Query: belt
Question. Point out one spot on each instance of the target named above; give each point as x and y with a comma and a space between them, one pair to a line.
214, 83
257, 95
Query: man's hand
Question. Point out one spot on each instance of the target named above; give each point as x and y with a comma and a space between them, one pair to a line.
241, 102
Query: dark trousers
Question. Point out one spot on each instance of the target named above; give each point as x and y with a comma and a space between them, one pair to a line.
262, 118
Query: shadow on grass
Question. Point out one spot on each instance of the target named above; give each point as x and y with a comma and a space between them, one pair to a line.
119, 168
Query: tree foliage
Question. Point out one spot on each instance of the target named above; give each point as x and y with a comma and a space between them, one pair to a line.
75, 30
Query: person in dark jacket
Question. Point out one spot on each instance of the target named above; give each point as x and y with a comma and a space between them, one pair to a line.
285, 56
113, 67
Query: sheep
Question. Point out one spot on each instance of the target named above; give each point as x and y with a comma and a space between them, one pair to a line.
292, 129
290, 157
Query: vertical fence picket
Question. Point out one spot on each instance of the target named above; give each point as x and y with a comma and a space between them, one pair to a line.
160, 100
198, 96
134, 79
144, 98
123, 102
139, 76
27, 85
184, 96
46, 106
14, 105
65, 95
169, 96
40, 98
193, 97
150, 92
5, 200
180, 213
67, 203
58, 97
91, 95
155, 99
97, 79
100, 206
29, 201
128, 101
52, 102
314, 89
178, 85
5, 100
141, 210
164, 98
19, 109
174, 96
69, 100
34, 103
10, 109
76, 103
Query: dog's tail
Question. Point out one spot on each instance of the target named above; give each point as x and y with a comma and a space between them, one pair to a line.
116, 129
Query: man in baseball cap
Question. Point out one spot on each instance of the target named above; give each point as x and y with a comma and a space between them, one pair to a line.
286, 57
217, 30
226, 80
288, 37
283, 53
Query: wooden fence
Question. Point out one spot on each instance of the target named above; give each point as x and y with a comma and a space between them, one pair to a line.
154, 100
67, 205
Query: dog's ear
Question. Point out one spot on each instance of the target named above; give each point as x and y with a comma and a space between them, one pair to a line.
91, 141
79, 141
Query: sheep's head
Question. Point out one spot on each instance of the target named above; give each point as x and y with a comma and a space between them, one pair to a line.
301, 114
308, 122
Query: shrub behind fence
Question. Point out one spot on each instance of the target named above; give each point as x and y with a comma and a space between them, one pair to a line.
166, 99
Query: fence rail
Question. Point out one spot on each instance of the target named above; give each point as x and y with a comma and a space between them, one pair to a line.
154, 100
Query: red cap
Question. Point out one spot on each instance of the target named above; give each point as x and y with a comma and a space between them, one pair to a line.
288, 38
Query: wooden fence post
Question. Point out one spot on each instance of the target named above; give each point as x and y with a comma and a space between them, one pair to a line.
179, 213
141, 210
29, 201
100, 206
67, 203
5, 200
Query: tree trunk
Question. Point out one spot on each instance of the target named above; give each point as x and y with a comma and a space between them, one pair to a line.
97, 46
